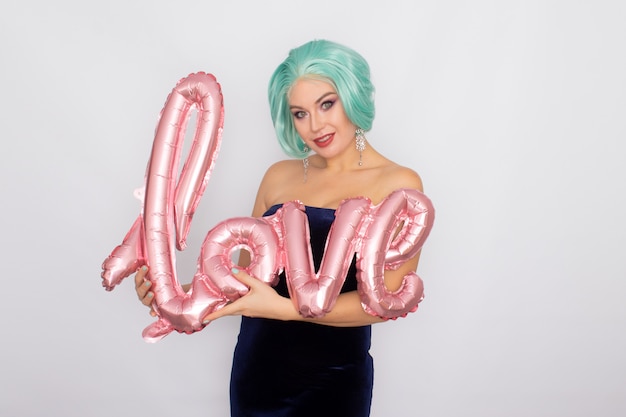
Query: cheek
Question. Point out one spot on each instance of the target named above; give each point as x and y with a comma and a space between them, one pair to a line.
341, 119
300, 126
345, 125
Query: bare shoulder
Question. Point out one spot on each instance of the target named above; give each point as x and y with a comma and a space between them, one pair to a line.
279, 169
398, 176
280, 174
277, 177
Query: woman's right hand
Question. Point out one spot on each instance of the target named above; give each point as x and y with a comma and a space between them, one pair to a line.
142, 286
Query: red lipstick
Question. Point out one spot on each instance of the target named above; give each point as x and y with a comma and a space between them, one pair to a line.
324, 141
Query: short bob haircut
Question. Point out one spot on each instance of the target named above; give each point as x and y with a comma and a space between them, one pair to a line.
340, 66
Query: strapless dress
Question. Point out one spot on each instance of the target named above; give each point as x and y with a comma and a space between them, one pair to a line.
299, 369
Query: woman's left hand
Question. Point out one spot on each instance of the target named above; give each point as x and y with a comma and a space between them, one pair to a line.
260, 301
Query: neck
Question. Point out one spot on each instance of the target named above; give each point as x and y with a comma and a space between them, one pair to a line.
346, 162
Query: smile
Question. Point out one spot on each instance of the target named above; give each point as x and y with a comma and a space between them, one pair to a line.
324, 141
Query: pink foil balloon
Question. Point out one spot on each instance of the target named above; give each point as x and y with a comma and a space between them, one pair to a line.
380, 250
261, 237
315, 294
382, 236
369, 232
169, 206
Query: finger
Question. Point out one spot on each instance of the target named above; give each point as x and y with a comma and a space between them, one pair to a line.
140, 276
227, 310
143, 289
214, 316
148, 299
142, 286
244, 277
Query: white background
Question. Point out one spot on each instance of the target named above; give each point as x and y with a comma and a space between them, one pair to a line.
513, 112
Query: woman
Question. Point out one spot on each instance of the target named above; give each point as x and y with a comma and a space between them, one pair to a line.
321, 101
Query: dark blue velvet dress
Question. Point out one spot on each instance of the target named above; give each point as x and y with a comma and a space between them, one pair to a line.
297, 369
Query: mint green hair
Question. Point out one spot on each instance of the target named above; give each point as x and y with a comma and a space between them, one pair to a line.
342, 67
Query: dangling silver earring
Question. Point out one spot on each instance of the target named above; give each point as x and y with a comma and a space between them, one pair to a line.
305, 162
360, 144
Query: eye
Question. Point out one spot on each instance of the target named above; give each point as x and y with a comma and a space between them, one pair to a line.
299, 114
327, 104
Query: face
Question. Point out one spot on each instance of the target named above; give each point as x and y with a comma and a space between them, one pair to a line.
320, 119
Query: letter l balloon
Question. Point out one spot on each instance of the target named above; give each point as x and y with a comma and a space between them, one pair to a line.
168, 208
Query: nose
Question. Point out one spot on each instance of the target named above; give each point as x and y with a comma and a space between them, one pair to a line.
316, 122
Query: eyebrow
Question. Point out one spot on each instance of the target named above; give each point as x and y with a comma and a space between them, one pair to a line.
316, 101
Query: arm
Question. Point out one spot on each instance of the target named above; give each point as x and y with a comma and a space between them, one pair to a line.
263, 301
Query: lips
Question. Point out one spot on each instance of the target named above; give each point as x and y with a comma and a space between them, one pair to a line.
324, 141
